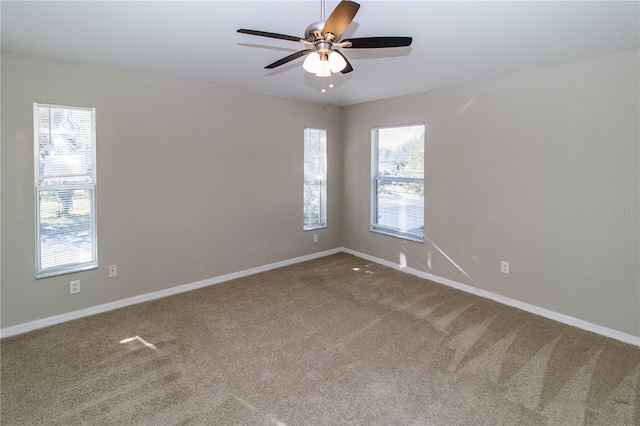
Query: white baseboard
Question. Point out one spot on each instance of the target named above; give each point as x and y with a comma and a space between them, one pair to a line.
565, 319
57, 319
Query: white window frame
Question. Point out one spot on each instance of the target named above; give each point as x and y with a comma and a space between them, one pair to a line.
375, 180
71, 267
319, 180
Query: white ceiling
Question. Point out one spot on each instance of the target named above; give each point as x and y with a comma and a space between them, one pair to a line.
453, 42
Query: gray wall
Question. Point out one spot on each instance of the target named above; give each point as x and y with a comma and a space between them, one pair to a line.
194, 182
525, 169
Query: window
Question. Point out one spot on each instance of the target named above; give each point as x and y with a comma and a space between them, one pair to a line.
315, 178
65, 183
398, 181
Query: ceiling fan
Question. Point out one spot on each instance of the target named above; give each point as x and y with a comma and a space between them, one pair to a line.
323, 41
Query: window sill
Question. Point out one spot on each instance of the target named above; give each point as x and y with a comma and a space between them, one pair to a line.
398, 234
58, 272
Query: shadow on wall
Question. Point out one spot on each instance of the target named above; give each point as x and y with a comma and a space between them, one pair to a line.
402, 259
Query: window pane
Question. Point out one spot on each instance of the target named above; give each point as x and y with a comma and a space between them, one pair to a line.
401, 205
312, 204
66, 227
401, 151
65, 145
315, 178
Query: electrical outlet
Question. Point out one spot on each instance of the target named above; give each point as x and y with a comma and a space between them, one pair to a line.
315, 238
113, 271
504, 267
74, 287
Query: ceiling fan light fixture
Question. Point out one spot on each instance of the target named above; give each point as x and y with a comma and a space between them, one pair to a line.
336, 62
324, 69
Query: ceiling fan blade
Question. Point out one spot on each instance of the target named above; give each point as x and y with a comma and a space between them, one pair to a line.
289, 58
270, 35
340, 18
348, 68
377, 42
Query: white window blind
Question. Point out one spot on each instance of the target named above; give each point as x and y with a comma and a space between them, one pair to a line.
315, 178
65, 178
398, 181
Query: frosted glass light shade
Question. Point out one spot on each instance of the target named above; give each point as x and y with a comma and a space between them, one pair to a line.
312, 63
336, 62
324, 69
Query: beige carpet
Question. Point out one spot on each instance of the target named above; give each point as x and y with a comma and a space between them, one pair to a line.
333, 341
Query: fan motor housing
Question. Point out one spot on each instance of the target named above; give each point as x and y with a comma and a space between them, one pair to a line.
314, 31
